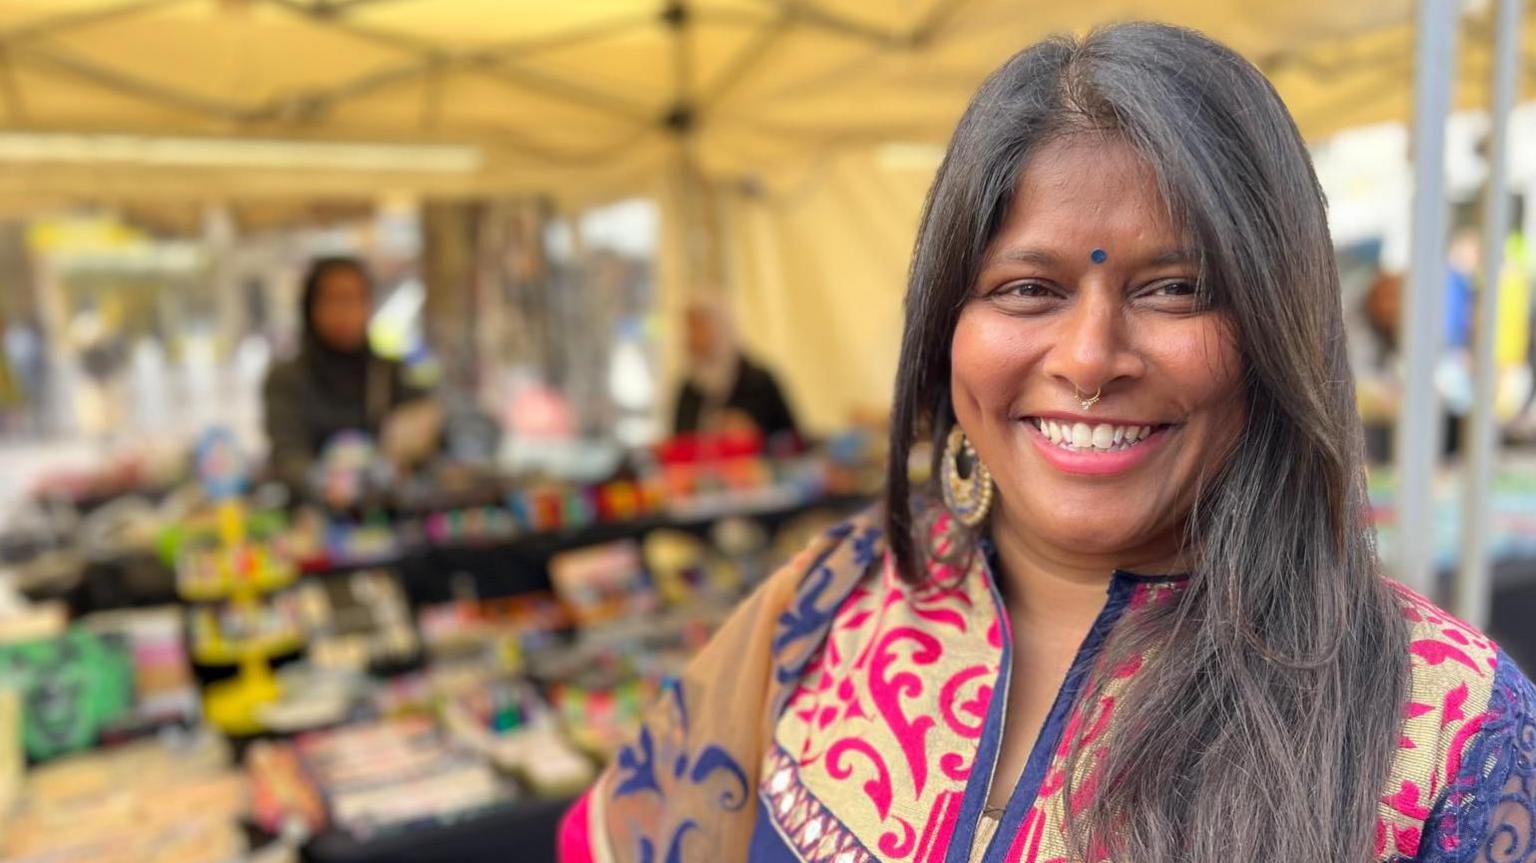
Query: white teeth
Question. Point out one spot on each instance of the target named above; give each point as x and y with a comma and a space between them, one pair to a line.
1102, 437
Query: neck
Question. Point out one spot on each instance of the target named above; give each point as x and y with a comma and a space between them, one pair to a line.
314, 346
1049, 586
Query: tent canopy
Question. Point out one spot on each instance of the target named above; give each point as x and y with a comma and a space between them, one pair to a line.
590, 97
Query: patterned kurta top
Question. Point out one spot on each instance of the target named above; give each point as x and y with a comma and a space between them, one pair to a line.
844, 716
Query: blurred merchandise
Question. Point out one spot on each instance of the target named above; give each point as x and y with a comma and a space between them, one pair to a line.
154, 639
602, 583
399, 656
170, 801
396, 772
72, 688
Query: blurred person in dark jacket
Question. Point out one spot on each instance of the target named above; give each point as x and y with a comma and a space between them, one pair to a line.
724, 390
337, 383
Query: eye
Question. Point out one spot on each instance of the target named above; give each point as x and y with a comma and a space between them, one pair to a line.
1175, 288
1028, 290
1177, 295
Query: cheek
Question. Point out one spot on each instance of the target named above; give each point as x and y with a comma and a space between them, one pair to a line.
1206, 370
988, 362
1198, 353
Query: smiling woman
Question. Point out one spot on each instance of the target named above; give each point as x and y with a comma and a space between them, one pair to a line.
1137, 615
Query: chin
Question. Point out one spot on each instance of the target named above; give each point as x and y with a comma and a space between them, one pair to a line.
1086, 523
1088, 539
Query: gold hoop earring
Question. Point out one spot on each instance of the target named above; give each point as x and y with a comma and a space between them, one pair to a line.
1087, 401
965, 481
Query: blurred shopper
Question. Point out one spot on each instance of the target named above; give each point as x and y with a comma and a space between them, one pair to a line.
11, 394
1136, 612
337, 383
725, 391
100, 400
28, 355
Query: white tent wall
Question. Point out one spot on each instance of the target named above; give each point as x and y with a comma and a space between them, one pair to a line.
817, 273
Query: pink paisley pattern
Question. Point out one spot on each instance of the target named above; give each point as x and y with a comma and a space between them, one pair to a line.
895, 703
1453, 670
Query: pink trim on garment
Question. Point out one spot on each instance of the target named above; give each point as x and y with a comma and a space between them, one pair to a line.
574, 841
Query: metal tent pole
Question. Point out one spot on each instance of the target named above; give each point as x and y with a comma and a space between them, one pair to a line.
1473, 584
1418, 428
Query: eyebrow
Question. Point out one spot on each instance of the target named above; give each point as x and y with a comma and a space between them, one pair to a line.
1175, 256
1024, 256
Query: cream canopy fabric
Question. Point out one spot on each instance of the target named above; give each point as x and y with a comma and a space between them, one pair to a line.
790, 141
590, 95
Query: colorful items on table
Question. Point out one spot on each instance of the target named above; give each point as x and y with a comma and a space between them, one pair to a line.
358, 621
71, 690
386, 774
352, 544
225, 634
598, 720
284, 802
212, 570
603, 582
220, 467
678, 563
508, 626
542, 760
164, 800
856, 462
243, 617
471, 526
155, 640
555, 506
507, 724
349, 470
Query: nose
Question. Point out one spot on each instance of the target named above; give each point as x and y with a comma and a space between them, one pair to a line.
1090, 347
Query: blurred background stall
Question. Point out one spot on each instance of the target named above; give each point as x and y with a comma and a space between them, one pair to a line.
631, 274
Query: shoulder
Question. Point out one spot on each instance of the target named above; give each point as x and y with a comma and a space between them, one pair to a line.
812, 586
696, 759
284, 375
1467, 703
754, 374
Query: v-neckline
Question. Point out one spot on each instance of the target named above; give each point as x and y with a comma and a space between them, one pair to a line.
1122, 587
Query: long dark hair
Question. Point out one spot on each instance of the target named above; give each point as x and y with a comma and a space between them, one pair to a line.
1264, 721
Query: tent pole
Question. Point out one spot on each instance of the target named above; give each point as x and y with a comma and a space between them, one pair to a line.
1474, 583
1418, 428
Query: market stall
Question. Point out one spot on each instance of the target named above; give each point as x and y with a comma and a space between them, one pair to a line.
404, 675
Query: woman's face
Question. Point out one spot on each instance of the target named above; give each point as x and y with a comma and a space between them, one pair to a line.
1088, 285
343, 305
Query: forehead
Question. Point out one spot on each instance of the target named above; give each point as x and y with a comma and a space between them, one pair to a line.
1096, 192
338, 279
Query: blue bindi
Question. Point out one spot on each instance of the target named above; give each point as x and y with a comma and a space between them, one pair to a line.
1099, 256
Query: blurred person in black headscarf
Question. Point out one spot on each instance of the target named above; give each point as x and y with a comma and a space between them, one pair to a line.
724, 390
337, 383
